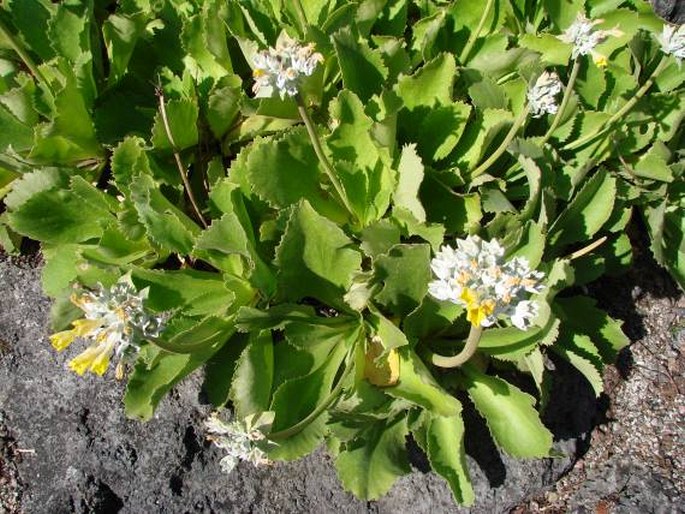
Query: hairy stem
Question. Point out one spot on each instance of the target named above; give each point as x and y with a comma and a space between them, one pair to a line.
179, 163
587, 249
463, 57
518, 122
622, 111
564, 100
318, 149
469, 349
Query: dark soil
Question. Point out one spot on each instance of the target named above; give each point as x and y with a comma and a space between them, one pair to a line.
66, 446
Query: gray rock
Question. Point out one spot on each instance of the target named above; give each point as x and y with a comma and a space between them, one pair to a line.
80, 454
671, 10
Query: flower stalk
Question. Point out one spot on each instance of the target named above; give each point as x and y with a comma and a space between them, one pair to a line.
564, 101
179, 162
318, 149
462, 357
518, 123
622, 111
473, 37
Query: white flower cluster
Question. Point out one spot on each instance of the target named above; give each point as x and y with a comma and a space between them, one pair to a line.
672, 41
283, 67
115, 323
474, 276
542, 96
585, 38
239, 439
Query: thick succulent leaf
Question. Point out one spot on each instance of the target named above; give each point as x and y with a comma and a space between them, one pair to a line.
363, 71
510, 414
315, 258
199, 293
155, 373
447, 455
418, 386
369, 465
182, 117
431, 85
55, 217
409, 178
360, 164
404, 273
580, 315
166, 225
297, 398
586, 213
252, 379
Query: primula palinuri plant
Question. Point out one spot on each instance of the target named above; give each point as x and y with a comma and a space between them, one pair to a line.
349, 215
115, 323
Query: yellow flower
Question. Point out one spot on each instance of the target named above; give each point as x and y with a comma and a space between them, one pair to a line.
61, 340
476, 311
600, 60
94, 359
83, 361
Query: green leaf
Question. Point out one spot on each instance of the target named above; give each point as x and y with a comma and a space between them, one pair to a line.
410, 176
204, 39
197, 293
480, 133
182, 116
121, 33
552, 50
155, 373
586, 213
253, 376
510, 414
29, 184
55, 217
510, 343
580, 315
404, 272
446, 453
285, 170
359, 162
369, 465
297, 398
379, 237
315, 258
563, 12
363, 71
225, 237
166, 225
31, 18
223, 106
458, 213
15, 133
418, 386
425, 32
70, 136
219, 370
583, 361
389, 334
430, 85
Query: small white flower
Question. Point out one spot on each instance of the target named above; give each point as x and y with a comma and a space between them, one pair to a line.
240, 439
283, 67
542, 96
115, 322
582, 34
474, 276
524, 312
672, 41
